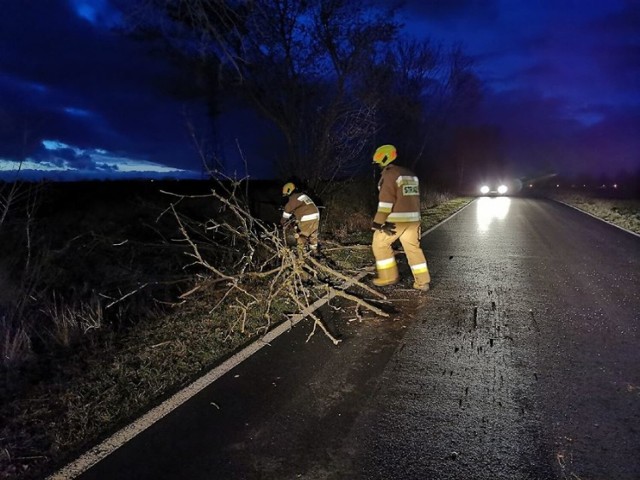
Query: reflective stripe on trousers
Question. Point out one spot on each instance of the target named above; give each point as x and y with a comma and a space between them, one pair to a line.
409, 235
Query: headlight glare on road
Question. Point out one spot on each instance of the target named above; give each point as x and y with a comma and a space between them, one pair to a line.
502, 189
484, 189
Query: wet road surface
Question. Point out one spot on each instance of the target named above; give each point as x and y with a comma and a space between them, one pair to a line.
522, 362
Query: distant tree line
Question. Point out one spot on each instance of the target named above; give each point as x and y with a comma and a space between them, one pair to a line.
334, 77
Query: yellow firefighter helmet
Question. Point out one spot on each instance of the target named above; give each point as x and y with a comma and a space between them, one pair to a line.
385, 155
287, 189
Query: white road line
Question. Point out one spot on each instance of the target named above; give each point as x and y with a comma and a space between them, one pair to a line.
446, 219
115, 441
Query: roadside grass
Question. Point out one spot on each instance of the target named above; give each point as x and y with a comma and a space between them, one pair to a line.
624, 213
61, 402
436, 213
99, 388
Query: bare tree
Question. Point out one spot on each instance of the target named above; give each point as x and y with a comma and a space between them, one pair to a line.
331, 75
298, 63
8, 195
428, 90
19, 134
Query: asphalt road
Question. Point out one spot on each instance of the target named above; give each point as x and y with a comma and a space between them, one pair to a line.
522, 362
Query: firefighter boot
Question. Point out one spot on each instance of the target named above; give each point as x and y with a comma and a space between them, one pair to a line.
388, 275
421, 277
314, 251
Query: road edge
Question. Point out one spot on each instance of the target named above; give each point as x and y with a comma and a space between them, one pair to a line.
446, 219
596, 217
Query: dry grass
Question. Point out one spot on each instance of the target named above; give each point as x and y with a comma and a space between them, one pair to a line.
95, 390
624, 213
437, 212
348, 211
15, 345
71, 321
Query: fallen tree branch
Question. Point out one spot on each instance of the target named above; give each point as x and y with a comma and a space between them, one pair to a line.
359, 301
133, 292
235, 247
347, 247
350, 280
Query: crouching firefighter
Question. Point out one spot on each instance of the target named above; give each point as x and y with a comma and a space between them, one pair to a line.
397, 218
304, 214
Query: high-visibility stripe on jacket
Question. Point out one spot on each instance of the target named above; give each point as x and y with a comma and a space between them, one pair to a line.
399, 196
301, 207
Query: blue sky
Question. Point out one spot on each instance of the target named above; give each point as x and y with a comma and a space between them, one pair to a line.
562, 84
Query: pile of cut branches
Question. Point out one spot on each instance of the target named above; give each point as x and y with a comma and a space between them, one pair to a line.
234, 249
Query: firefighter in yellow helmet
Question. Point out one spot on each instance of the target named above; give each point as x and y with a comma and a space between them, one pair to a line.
301, 210
397, 218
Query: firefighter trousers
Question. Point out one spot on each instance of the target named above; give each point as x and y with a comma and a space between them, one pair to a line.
387, 269
308, 234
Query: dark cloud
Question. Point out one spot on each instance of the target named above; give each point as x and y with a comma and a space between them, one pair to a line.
453, 9
64, 158
562, 78
108, 168
562, 82
621, 63
57, 63
540, 134
624, 21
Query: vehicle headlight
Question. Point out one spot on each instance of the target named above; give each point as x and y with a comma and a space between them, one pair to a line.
502, 189
484, 189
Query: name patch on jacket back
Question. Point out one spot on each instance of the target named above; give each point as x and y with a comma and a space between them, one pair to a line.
409, 190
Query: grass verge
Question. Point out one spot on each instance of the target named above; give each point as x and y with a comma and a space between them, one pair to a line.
437, 213
624, 213
102, 386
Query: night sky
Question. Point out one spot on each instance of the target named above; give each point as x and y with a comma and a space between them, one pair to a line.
563, 76
78, 100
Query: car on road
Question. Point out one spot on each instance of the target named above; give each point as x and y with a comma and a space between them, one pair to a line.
494, 189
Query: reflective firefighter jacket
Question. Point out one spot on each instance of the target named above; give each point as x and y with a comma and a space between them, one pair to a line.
301, 207
399, 197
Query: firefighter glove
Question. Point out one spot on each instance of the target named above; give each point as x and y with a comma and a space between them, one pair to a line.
388, 228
